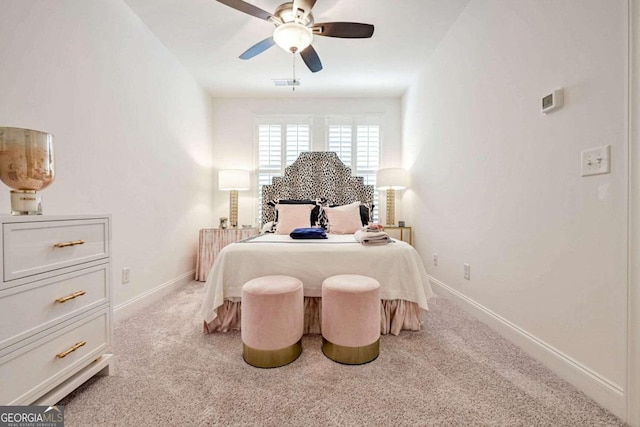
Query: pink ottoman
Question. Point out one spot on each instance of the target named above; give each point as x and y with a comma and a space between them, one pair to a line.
351, 318
272, 321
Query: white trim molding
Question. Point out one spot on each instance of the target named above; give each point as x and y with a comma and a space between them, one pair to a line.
600, 389
129, 307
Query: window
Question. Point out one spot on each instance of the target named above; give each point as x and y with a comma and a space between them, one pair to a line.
357, 143
340, 137
280, 141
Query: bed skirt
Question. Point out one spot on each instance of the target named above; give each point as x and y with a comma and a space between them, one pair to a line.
395, 315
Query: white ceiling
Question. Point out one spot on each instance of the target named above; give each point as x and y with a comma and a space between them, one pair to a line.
207, 37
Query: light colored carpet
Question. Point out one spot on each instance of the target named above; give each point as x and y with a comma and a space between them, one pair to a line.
457, 372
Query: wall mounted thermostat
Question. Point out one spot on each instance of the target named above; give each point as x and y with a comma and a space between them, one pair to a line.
553, 101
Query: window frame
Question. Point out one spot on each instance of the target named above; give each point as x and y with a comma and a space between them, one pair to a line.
353, 121
283, 121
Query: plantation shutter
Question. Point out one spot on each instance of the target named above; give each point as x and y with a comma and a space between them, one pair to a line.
280, 141
357, 144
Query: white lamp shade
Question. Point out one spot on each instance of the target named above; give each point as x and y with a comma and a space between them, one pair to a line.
293, 37
392, 179
234, 180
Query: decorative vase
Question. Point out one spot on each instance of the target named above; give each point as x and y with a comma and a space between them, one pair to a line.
26, 166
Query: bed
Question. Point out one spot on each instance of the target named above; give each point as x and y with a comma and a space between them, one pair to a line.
405, 287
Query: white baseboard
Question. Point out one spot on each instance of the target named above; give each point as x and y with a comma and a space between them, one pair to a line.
131, 306
603, 391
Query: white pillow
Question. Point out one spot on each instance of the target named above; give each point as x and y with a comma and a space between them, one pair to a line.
344, 219
293, 216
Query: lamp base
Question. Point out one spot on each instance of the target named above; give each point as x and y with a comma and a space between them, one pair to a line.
391, 207
26, 202
233, 208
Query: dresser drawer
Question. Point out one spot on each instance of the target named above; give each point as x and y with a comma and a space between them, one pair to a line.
31, 248
50, 301
32, 370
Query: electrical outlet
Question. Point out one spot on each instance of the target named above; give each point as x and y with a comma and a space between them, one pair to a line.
435, 259
467, 271
125, 275
595, 161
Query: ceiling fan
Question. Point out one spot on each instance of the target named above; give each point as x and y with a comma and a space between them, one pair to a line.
295, 29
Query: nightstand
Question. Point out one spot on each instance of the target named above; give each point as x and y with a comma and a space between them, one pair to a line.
400, 233
211, 242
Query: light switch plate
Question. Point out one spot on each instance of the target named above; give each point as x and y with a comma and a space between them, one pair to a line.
596, 161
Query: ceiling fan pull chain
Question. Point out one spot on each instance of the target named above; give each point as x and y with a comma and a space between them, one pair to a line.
294, 72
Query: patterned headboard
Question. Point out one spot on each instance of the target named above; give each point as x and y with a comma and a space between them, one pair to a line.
315, 175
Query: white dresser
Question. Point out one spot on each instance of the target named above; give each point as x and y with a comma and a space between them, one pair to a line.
55, 305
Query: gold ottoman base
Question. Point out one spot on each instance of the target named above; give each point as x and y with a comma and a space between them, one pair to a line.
351, 355
271, 358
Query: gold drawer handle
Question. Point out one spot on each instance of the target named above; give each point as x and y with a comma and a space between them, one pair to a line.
71, 350
71, 243
72, 296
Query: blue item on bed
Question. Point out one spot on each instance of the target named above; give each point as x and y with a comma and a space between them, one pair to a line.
308, 233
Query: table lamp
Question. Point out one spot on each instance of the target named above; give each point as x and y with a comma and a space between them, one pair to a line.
26, 166
390, 180
233, 181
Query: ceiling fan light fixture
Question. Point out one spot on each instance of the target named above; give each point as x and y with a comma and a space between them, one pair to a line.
293, 37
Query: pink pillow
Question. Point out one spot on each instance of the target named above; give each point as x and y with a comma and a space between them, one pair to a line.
344, 219
293, 216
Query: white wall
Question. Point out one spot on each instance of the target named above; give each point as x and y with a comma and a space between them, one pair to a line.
234, 135
132, 129
497, 184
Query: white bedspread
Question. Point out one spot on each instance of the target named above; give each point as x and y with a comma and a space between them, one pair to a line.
397, 266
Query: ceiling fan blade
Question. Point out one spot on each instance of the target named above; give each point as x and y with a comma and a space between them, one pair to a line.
311, 58
345, 30
247, 8
301, 8
258, 48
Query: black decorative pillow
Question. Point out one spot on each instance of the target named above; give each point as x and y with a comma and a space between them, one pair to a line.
269, 227
322, 217
365, 214
315, 212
